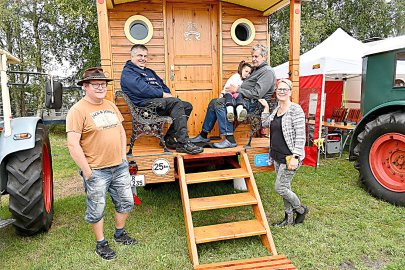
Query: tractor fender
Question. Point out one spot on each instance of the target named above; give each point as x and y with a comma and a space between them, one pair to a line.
371, 115
19, 125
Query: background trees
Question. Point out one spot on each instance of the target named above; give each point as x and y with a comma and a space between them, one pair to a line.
363, 19
47, 35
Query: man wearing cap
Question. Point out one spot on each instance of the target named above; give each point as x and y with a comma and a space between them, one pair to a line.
143, 86
97, 143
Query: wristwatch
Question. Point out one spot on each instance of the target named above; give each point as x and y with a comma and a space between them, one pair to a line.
296, 156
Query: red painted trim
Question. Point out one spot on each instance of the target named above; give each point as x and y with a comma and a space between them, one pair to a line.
387, 161
47, 178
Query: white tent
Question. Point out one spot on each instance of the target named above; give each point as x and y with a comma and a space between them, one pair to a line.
338, 54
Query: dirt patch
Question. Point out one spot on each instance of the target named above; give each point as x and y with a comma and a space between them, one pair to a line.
369, 263
347, 266
68, 187
374, 264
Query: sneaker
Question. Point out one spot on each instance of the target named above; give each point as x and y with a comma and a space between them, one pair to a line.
224, 144
229, 113
170, 142
125, 239
242, 114
189, 148
300, 217
199, 139
105, 252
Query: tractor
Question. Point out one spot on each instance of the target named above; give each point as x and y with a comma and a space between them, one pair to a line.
25, 157
378, 142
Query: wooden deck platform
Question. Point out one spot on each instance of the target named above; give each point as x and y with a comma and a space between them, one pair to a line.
147, 151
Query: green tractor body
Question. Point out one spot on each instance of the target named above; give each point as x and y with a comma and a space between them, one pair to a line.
378, 142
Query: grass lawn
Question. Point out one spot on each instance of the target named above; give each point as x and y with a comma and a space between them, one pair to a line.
346, 228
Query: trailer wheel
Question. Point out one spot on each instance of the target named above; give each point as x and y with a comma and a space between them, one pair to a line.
30, 185
381, 159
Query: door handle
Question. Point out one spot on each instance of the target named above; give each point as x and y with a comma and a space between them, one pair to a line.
172, 72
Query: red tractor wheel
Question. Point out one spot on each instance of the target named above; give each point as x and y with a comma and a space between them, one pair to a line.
30, 185
382, 157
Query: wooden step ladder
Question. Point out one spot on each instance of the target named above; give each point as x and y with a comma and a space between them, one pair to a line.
226, 231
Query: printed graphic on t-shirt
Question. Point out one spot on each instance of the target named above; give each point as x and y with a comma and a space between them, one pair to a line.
104, 119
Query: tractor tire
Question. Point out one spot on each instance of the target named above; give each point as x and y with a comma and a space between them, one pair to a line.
30, 186
381, 157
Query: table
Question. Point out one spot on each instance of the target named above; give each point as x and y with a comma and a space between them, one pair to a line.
347, 130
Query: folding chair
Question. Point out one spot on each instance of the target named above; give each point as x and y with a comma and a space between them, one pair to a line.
333, 144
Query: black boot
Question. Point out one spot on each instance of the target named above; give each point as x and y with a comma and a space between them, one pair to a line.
288, 220
300, 217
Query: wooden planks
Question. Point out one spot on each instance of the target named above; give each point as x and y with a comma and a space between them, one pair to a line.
226, 231
224, 201
268, 262
212, 176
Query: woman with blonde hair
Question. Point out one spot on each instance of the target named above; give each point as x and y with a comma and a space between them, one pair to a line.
287, 141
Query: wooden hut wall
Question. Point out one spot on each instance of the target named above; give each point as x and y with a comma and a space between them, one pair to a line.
233, 53
120, 45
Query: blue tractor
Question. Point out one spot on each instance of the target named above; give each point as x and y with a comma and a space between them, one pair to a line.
25, 158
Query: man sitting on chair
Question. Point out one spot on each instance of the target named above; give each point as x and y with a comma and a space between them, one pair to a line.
144, 87
260, 84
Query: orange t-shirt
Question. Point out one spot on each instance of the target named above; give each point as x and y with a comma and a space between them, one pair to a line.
99, 126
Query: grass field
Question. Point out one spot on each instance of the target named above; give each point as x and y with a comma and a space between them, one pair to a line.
345, 228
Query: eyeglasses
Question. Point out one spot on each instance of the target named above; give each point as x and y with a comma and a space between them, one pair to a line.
98, 85
283, 90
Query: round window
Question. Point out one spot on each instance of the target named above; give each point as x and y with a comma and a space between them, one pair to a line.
138, 29
243, 32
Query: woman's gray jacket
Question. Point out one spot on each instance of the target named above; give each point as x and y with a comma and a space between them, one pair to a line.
293, 125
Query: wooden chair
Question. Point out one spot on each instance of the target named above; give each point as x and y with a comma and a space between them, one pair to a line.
339, 114
354, 115
145, 121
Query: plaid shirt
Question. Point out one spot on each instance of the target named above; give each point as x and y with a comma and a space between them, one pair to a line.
293, 125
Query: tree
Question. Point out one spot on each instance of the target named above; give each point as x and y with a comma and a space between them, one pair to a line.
44, 32
363, 19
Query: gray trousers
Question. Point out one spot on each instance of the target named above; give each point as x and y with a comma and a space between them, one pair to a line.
283, 187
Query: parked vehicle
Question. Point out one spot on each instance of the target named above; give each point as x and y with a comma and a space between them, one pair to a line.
378, 143
25, 157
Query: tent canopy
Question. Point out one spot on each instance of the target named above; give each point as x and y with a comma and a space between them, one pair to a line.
338, 54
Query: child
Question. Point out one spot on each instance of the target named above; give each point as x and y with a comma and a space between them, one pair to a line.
244, 71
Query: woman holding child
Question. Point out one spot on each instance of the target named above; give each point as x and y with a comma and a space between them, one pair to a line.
287, 141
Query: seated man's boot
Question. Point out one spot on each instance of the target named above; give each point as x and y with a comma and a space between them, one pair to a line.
300, 217
288, 220
199, 139
224, 144
170, 142
189, 148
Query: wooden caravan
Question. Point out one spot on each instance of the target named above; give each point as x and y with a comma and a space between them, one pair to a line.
195, 46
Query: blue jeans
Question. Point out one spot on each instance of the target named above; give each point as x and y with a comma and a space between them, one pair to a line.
217, 111
117, 181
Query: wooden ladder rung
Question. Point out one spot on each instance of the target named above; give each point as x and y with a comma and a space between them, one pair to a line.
225, 231
269, 262
212, 176
223, 201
